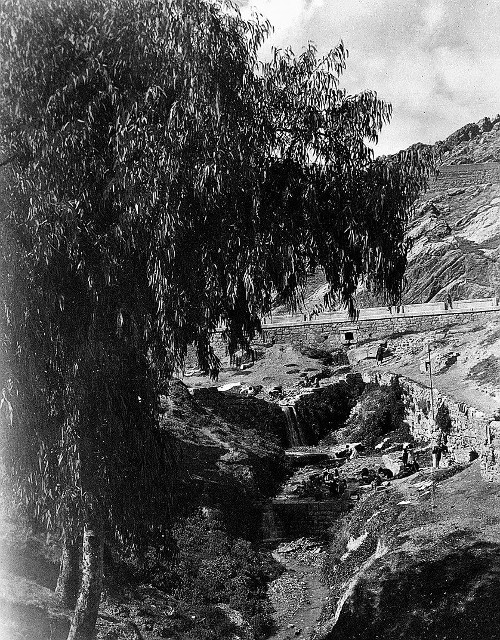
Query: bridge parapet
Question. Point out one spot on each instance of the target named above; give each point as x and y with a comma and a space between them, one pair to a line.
379, 313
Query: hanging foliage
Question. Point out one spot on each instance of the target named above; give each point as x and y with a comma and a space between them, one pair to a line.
159, 182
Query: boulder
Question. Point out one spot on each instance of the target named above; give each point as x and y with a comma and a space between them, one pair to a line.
393, 463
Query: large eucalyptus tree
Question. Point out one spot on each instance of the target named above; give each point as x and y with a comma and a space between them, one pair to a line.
159, 181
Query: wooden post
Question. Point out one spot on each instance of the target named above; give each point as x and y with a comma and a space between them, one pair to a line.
430, 379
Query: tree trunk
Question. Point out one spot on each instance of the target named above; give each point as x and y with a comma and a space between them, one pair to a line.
69, 572
87, 606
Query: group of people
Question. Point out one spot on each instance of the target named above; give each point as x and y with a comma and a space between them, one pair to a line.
375, 478
334, 482
409, 459
321, 486
238, 358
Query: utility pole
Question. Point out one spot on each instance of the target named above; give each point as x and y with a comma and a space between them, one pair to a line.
430, 378
433, 485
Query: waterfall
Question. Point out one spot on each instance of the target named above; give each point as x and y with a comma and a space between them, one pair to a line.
294, 433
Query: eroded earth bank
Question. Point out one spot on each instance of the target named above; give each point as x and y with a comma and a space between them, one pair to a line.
262, 546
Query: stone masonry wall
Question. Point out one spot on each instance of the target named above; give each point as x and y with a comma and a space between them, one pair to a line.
369, 329
490, 454
332, 333
299, 518
471, 430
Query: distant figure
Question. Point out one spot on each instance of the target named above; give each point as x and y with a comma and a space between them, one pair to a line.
354, 453
449, 301
386, 473
5, 414
405, 455
436, 456
341, 486
412, 461
380, 354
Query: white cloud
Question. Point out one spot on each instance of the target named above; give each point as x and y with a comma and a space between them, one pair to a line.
437, 62
434, 13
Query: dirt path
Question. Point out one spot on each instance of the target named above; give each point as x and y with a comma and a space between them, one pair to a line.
299, 594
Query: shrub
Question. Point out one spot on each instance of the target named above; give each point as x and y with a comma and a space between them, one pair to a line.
379, 410
443, 419
423, 405
210, 568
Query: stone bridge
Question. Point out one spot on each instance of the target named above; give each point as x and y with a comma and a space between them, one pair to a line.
333, 329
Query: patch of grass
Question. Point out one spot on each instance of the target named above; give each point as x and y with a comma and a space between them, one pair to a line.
486, 371
491, 339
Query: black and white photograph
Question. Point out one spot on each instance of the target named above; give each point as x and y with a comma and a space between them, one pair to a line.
249, 320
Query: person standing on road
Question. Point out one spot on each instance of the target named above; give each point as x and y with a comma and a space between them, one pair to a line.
405, 455
436, 455
380, 354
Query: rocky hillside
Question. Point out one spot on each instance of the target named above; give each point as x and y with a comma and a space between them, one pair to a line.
456, 244
228, 450
474, 143
410, 564
456, 226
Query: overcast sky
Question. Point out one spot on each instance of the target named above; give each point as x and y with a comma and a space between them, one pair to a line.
436, 61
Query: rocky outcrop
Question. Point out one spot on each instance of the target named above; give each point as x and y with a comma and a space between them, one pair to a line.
455, 229
231, 462
425, 568
477, 142
466, 437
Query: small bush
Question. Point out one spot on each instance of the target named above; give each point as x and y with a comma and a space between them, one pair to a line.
423, 405
443, 419
210, 568
379, 410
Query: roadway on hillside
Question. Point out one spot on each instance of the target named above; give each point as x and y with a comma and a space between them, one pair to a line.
474, 377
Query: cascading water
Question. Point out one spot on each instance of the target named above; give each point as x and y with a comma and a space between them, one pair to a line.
295, 435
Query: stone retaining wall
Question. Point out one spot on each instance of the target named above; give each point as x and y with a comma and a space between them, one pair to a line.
335, 334
471, 431
297, 518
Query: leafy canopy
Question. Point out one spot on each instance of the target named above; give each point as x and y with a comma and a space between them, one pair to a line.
161, 182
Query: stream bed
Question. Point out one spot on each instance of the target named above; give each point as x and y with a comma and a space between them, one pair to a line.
299, 594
